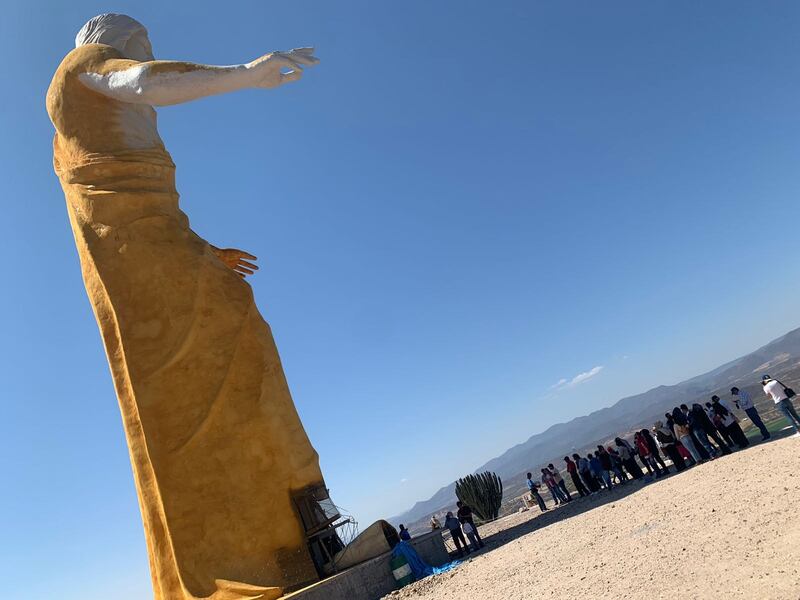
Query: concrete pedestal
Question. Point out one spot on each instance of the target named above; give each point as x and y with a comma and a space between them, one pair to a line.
373, 579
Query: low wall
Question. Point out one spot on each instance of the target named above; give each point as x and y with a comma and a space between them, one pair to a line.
373, 579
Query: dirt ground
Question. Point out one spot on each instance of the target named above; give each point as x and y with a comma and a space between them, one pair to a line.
729, 528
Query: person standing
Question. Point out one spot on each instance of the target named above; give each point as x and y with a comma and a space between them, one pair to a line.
645, 456
704, 448
729, 422
454, 525
743, 402
534, 489
550, 482
780, 395
698, 431
684, 433
634, 452
434, 523
560, 483
670, 424
628, 461
705, 429
683, 451
606, 466
472, 535
717, 420
404, 534
465, 516
572, 469
654, 451
585, 470
596, 468
623, 442
667, 440
616, 465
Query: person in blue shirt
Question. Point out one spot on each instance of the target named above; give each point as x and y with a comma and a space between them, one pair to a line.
404, 535
454, 525
596, 467
534, 489
743, 402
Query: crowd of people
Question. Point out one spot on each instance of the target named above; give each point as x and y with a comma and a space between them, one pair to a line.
687, 436
460, 524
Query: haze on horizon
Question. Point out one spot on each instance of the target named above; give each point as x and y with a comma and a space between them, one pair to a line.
473, 222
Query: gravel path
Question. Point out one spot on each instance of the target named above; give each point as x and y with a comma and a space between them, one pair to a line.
728, 529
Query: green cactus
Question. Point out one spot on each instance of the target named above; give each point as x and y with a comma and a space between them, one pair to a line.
483, 492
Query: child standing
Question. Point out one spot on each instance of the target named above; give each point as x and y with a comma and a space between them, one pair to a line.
470, 531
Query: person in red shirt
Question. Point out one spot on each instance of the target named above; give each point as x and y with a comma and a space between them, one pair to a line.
646, 455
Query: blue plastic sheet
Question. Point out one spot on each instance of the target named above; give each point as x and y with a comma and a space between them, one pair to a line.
419, 567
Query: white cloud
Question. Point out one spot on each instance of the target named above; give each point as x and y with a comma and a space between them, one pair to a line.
404, 479
578, 379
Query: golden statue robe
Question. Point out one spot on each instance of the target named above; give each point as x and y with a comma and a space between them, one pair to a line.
216, 445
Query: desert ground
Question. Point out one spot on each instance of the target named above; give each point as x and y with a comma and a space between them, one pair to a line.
729, 528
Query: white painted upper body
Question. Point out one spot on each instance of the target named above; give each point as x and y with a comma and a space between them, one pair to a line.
162, 83
143, 82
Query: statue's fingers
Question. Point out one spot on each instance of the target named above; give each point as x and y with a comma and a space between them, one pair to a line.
291, 76
307, 61
285, 62
247, 255
249, 265
304, 56
306, 51
243, 270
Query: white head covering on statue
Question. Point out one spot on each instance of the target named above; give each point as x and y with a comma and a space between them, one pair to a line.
117, 31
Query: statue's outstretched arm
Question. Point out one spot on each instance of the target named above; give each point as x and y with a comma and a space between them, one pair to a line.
161, 83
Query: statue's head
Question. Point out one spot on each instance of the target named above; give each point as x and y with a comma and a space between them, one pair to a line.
122, 32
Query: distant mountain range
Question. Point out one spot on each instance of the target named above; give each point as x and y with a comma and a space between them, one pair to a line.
780, 358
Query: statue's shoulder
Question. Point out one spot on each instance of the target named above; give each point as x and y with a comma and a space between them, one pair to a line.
65, 83
84, 59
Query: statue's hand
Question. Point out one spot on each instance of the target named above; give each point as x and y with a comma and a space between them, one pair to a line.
276, 68
235, 259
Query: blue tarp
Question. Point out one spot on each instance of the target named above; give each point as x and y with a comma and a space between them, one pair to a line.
418, 566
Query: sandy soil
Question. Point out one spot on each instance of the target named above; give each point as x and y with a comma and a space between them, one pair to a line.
729, 528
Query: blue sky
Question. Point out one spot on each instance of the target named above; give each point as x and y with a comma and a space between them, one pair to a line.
463, 205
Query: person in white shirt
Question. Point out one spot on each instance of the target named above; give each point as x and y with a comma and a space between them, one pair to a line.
470, 531
743, 402
775, 389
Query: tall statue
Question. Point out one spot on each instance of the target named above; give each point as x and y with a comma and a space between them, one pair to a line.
217, 448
